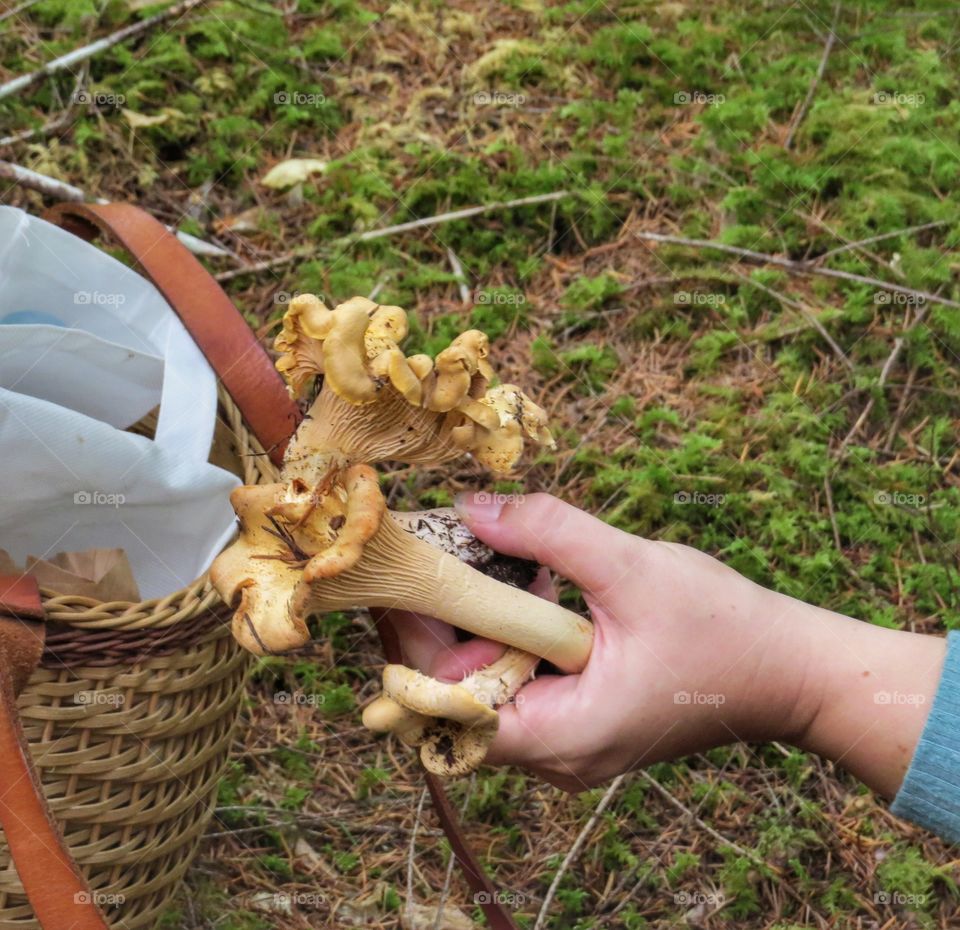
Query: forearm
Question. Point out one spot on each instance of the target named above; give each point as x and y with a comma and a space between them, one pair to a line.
869, 691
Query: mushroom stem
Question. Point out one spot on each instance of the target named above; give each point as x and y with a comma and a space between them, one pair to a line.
498, 682
397, 570
443, 528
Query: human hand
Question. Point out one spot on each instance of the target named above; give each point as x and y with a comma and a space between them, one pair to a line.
682, 657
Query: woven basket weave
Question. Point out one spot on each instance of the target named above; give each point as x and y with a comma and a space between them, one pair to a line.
130, 717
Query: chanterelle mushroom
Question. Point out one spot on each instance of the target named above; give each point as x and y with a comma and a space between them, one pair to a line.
377, 404
321, 539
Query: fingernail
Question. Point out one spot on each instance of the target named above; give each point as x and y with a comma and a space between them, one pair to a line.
479, 507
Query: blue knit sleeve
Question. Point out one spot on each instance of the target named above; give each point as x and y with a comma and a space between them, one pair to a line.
930, 793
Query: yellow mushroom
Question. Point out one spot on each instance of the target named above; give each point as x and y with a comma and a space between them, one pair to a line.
306, 324
387, 328
461, 717
344, 353
455, 369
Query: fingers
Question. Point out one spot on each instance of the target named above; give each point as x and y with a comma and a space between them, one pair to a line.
580, 547
535, 729
431, 646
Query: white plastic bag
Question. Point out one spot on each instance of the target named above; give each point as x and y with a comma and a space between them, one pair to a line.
87, 346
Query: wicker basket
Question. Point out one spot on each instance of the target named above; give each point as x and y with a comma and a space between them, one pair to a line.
130, 713
131, 768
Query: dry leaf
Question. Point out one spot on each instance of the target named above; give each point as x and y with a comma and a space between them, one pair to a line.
144, 120
292, 171
424, 917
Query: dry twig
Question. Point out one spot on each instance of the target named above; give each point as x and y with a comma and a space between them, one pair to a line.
385, 231
795, 267
817, 78
78, 55
574, 850
60, 190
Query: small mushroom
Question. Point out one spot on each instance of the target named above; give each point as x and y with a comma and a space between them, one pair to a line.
453, 724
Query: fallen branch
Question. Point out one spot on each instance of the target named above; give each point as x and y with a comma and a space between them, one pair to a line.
46, 129
574, 850
60, 190
804, 312
371, 234
788, 264
890, 235
94, 48
817, 78
412, 849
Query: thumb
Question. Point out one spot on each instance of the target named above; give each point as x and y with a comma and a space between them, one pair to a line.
535, 731
541, 527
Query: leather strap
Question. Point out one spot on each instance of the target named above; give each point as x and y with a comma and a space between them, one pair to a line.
58, 893
216, 325
245, 369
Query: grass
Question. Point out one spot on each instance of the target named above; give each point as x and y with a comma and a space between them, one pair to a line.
693, 401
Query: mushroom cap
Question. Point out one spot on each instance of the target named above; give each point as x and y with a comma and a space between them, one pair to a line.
384, 715
345, 353
257, 575
387, 329
365, 507
356, 346
291, 532
433, 698
453, 724
300, 343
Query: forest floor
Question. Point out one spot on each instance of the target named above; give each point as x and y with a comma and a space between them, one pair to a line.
799, 425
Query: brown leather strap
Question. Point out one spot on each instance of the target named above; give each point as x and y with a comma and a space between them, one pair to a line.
58, 893
239, 361
208, 314
486, 894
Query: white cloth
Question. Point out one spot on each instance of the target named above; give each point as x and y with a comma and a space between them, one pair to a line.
87, 347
